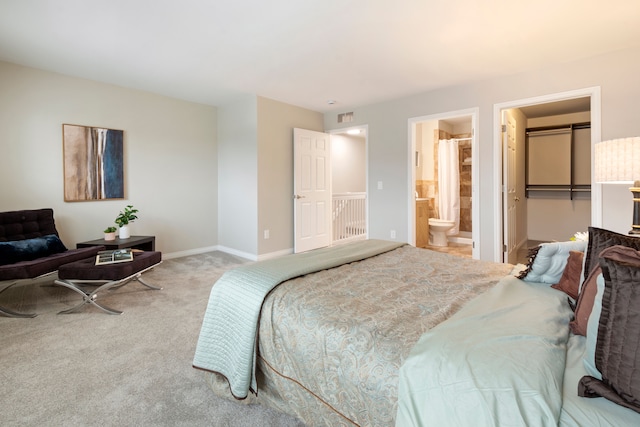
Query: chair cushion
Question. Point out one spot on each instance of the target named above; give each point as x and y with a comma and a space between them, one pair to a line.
87, 270
38, 267
30, 249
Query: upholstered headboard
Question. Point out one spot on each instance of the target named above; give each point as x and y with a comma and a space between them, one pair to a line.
26, 224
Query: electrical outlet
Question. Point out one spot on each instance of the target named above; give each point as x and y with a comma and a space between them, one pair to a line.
379, 185
266, 234
393, 234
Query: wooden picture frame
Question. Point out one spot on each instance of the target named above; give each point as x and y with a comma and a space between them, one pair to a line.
93, 163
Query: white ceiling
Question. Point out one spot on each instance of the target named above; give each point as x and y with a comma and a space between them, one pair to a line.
307, 52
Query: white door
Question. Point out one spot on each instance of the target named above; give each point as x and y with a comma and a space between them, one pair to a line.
311, 190
509, 188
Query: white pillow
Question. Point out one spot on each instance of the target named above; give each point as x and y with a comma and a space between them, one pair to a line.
548, 264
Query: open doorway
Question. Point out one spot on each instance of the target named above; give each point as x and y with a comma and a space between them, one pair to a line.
330, 184
443, 181
349, 209
531, 211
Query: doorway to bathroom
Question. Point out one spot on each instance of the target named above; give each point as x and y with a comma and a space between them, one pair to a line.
443, 152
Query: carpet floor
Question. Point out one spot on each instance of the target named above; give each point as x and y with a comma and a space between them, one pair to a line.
90, 368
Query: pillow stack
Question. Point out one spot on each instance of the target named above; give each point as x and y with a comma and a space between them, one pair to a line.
599, 240
616, 374
603, 278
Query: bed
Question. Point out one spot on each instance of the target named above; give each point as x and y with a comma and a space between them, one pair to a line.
361, 334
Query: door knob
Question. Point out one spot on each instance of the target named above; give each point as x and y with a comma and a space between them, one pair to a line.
296, 196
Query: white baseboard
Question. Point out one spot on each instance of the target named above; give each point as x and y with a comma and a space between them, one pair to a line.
196, 251
275, 254
230, 251
241, 254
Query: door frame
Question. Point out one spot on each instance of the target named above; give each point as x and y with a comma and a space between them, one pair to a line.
474, 113
498, 156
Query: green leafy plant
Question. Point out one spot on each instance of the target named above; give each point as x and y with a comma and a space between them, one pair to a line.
127, 216
110, 230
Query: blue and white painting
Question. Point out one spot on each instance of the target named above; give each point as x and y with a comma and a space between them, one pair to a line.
93, 163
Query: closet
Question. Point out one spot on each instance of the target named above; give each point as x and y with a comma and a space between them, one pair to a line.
558, 161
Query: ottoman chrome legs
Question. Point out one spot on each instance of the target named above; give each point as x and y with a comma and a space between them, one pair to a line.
104, 285
5, 310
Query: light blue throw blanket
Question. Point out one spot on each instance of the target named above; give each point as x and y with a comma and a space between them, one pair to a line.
228, 337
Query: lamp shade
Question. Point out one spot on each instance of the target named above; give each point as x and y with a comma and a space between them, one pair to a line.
618, 160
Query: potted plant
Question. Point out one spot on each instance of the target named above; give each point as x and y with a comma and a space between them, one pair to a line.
110, 233
124, 218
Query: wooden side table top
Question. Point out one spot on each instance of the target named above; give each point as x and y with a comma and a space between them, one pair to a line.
146, 243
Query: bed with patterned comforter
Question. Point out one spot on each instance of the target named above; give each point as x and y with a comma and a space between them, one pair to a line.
401, 336
331, 343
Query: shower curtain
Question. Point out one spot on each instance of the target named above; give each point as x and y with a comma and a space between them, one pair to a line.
449, 183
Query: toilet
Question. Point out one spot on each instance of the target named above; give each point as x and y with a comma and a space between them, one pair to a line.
438, 231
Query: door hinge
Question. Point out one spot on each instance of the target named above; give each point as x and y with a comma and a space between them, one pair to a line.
504, 248
504, 128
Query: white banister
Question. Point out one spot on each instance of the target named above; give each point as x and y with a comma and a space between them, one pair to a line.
349, 217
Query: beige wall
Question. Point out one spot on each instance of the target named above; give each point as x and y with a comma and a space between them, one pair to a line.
615, 73
256, 174
170, 157
238, 177
191, 169
276, 121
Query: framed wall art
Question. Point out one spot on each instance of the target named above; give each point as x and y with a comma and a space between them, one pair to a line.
93, 163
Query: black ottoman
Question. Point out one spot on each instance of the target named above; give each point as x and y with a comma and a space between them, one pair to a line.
108, 276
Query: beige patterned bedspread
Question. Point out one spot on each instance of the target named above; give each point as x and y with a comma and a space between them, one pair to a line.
331, 343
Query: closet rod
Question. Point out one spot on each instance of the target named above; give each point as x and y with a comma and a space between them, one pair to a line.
544, 132
574, 189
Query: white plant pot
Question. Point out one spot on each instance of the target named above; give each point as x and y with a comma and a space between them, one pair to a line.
124, 232
110, 236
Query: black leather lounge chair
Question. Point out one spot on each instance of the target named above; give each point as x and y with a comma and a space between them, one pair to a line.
30, 249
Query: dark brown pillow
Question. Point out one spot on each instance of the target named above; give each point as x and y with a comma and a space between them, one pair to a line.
585, 303
599, 240
570, 281
617, 356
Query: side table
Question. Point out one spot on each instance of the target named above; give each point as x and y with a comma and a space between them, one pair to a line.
144, 243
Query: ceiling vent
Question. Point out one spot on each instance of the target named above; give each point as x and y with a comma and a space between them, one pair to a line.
345, 117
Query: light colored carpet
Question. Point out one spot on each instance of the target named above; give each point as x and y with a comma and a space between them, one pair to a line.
90, 368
